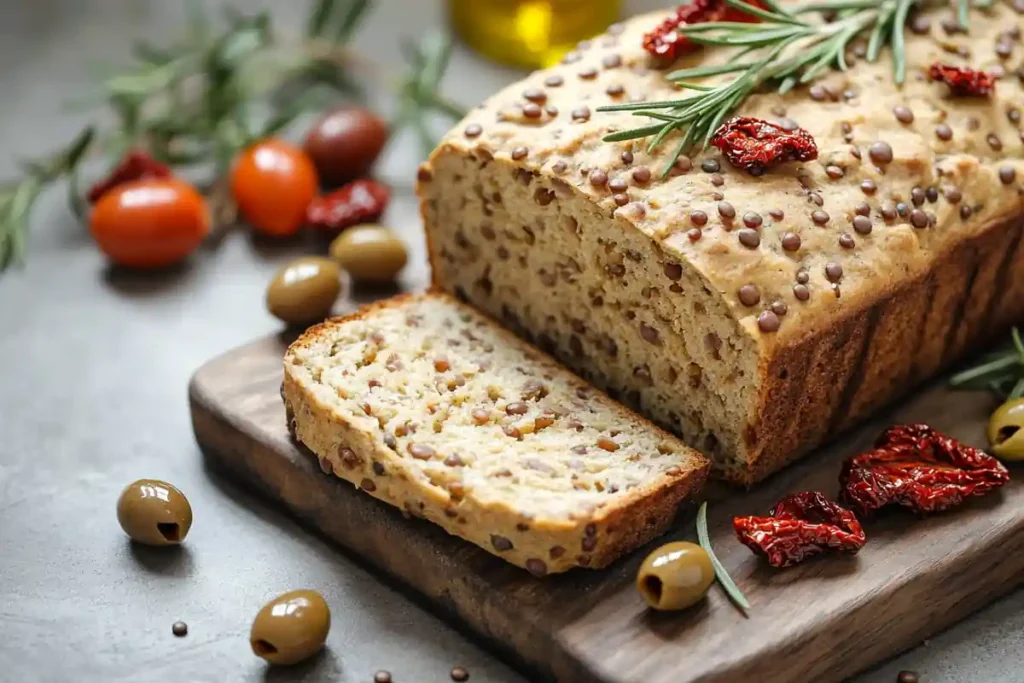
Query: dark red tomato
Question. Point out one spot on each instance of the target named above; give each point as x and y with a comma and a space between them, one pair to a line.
344, 143
273, 183
150, 223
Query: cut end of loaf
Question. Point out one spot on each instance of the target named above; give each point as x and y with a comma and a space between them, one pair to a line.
430, 406
593, 290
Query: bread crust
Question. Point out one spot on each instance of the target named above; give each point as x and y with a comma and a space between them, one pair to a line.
830, 381
907, 301
634, 519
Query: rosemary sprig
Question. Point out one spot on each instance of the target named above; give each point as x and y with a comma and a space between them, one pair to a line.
788, 47
1001, 372
723, 576
17, 198
208, 94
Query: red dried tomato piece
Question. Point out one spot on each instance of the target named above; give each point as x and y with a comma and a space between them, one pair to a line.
799, 526
755, 144
919, 468
736, 14
963, 81
665, 43
361, 201
136, 164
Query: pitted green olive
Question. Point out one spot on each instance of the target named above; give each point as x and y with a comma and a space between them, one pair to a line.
291, 628
304, 290
1006, 430
675, 576
153, 512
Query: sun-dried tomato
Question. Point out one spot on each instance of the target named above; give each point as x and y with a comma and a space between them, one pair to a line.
665, 42
919, 468
136, 164
361, 201
799, 526
963, 81
755, 144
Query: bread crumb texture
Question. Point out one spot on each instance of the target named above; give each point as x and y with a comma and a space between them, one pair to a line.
434, 408
685, 292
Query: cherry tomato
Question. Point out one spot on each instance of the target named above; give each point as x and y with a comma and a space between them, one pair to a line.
150, 223
273, 183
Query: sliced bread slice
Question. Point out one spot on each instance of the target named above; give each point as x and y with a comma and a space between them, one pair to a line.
432, 407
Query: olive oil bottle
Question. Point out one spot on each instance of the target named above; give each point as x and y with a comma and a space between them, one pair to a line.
530, 33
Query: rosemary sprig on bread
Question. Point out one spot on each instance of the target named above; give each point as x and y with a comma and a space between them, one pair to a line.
779, 49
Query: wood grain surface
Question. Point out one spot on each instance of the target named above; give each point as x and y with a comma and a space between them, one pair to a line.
821, 621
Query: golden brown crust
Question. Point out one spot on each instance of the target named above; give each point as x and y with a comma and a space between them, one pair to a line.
832, 380
592, 540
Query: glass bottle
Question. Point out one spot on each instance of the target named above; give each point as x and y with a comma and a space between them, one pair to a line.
530, 33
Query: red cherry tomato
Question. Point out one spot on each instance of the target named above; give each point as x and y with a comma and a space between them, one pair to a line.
150, 223
273, 183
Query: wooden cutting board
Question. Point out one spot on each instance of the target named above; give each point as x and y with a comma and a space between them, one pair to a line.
820, 621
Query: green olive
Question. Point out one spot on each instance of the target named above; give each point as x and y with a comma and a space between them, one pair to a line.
291, 628
304, 291
154, 513
675, 576
369, 252
1006, 430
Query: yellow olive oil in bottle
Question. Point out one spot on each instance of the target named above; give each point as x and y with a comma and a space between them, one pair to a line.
530, 33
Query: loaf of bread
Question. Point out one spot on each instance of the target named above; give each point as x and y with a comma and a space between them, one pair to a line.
430, 406
753, 316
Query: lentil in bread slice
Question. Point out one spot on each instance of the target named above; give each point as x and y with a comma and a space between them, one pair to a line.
430, 406
754, 316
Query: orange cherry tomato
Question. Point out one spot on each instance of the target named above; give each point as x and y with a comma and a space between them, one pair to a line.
150, 223
273, 183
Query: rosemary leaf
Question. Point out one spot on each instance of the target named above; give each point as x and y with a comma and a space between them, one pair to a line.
723, 576
685, 85
77, 149
702, 71
787, 84
321, 14
837, 5
899, 56
635, 106
633, 133
79, 207
878, 34
683, 144
1018, 390
986, 371
354, 14
777, 8
778, 17
665, 130
1017, 343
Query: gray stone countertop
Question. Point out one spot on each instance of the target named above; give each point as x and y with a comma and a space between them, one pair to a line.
94, 364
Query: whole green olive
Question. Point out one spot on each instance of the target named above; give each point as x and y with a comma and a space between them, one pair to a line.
675, 576
304, 290
344, 143
1006, 430
291, 628
154, 513
369, 252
